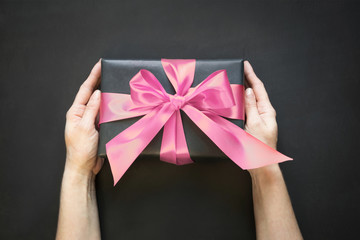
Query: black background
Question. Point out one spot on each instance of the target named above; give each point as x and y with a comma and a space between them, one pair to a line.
306, 52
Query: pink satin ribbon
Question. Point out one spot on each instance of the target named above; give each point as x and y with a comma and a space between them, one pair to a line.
206, 105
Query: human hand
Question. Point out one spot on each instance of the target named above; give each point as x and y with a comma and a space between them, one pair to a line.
81, 136
260, 115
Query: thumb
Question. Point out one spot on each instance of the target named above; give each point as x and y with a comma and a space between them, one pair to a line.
92, 109
251, 111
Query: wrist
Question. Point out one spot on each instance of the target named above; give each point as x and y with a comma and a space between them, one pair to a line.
78, 165
77, 175
271, 143
268, 173
75, 183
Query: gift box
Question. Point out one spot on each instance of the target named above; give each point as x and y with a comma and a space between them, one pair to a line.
178, 110
115, 77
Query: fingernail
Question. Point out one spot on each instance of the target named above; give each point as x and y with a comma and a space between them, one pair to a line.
97, 93
248, 91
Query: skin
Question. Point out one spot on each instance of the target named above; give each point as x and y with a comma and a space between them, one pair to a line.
78, 213
274, 215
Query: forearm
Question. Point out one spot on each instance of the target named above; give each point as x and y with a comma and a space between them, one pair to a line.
274, 215
78, 214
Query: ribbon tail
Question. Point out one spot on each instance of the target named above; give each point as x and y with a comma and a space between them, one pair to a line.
242, 148
173, 146
123, 149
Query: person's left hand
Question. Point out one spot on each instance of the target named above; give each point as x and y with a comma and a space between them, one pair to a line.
81, 136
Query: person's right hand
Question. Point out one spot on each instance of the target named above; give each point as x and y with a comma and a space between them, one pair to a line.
260, 114
274, 215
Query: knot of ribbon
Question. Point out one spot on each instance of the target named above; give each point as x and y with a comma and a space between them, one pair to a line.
206, 105
177, 101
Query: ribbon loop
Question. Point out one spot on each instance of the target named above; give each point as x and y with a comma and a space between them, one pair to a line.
213, 93
180, 73
146, 90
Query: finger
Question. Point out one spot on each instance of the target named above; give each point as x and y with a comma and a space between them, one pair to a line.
97, 119
256, 84
251, 111
246, 83
87, 88
92, 109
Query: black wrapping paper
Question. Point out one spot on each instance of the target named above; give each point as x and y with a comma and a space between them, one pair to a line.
115, 78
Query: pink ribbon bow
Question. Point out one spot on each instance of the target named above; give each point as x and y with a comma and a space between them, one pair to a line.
206, 105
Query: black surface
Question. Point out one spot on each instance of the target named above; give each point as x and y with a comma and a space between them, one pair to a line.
115, 77
306, 52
